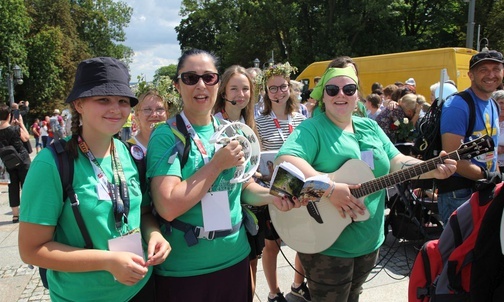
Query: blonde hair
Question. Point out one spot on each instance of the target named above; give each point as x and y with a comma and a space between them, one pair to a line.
408, 102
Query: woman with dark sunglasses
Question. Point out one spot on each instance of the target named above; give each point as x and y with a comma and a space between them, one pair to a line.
278, 119
199, 205
322, 145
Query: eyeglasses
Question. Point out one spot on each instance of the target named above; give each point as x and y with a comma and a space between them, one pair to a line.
348, 89
149, 111
274, 89
190, 78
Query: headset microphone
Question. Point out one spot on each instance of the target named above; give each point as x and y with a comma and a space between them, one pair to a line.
232, 102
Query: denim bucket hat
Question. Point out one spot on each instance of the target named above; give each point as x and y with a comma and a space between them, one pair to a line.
100, 77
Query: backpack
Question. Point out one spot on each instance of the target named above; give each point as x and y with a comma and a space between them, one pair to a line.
427, 145
466, 263
65, 164
10, 157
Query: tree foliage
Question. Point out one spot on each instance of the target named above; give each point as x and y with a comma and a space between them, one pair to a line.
49, 38
304, 31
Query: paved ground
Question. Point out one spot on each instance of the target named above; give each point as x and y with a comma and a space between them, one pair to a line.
387, 282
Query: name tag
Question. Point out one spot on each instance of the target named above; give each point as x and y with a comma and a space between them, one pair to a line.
216, 212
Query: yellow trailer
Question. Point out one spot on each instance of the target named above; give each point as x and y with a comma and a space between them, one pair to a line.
423, 65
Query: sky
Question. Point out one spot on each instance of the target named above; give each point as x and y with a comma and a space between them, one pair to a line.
151, 34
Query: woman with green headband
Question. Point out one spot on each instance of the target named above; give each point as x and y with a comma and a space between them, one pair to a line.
322, 145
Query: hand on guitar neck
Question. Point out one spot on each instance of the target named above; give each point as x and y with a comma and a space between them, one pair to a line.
317, 226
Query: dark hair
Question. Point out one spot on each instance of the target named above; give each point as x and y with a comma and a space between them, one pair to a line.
342, 62
389, 90
194, 52
400, 92
4, 112
376, 86
305, 95
220, 103
374, 99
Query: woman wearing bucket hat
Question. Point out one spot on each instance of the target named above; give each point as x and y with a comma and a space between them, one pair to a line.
49, 237
204, 265
321, 145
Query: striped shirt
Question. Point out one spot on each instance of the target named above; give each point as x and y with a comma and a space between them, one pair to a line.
268, 132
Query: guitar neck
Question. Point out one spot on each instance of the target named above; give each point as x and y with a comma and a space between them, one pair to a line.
401, 175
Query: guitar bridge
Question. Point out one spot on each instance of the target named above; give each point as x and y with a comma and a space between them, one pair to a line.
314, 212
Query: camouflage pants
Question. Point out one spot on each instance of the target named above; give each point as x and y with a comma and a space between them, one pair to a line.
336, 279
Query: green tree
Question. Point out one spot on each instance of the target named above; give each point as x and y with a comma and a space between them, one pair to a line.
101, 23
14, 25
169, 71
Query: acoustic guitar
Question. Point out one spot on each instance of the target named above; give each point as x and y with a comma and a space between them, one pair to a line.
314, 228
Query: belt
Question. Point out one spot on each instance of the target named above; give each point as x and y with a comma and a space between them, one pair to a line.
193, 233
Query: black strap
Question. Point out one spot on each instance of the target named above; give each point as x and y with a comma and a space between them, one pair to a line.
65, 165
472, 111
426, 290
187, 146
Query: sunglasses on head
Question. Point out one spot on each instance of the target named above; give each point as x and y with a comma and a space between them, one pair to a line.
492, 54
348, 89
190, 78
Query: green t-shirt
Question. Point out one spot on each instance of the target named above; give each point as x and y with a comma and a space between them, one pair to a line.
326, 148
42, 204
208, 255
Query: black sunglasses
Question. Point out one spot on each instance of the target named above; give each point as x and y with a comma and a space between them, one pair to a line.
492, 54
190, 78
348, 89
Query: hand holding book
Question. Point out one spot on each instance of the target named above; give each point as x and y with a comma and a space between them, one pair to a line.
288, 180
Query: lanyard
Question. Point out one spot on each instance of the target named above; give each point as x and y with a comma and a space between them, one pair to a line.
118, 190
196, 138
277, 124
226, 117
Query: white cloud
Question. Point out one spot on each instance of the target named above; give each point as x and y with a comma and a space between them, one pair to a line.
151, 34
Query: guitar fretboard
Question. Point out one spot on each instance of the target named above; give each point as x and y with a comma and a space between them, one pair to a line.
401, 175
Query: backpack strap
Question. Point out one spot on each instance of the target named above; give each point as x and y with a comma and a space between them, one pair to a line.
472, 111
65, 166
183, 144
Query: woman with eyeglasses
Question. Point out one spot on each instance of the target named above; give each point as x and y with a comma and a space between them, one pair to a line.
278, 119
195, 199
321, 145
150, 110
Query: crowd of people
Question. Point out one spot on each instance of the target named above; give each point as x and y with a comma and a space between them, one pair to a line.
162, 208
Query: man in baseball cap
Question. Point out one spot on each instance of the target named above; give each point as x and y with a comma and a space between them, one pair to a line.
486, 71
488, 55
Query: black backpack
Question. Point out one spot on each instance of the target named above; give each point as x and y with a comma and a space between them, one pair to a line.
10, 157
427, 145
65, 164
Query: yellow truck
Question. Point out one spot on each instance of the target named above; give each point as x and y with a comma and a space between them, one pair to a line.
423, 65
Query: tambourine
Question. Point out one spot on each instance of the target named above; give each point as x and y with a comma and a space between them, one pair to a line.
250, 146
